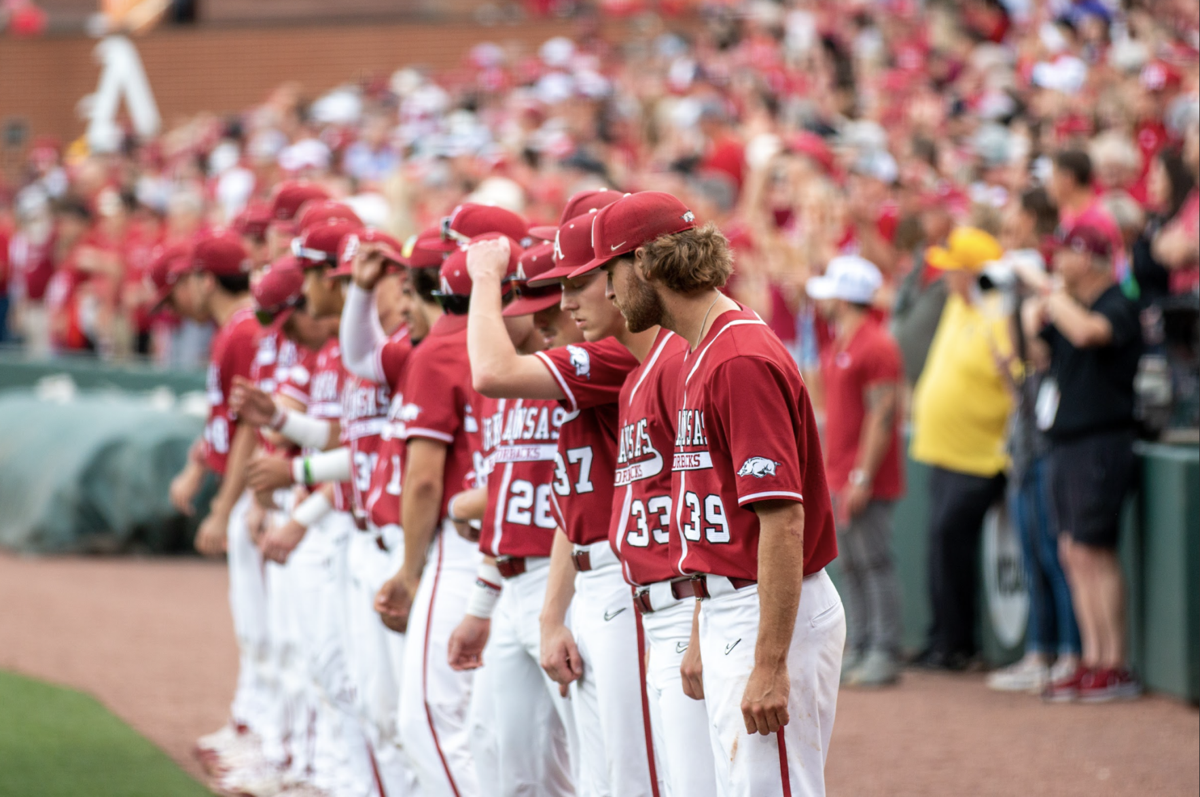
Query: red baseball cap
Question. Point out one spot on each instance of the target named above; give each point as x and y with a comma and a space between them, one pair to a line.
812, 146
319, 244
579, 203
168, 263
470, 220
325, 210
634, 220
252, 222
279, 292
220, 252
423, 249
455, 279
536, 260
1084, 238
351, 242
572, 249
290, 195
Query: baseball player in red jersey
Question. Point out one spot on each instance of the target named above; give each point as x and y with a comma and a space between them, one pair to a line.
641, 518
520, 722
751, 513
317, 538
602, 657
431, 590
211, 283
376, 653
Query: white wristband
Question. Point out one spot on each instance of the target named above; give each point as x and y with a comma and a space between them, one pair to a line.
298, 474
329, 466
312, 509
485, 593
304, 430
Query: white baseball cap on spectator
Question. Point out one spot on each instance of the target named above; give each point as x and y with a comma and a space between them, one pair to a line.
876, 163
848, 277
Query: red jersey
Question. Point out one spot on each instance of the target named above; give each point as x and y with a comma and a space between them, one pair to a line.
591, 376
364, 415
745, 432
870, 358
641, 513
440, 402
520, 443
294, 366
233, 351
325, 401
383, 493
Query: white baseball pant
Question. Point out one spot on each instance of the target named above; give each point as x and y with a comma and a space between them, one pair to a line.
434, 700
680, 723
248, 605
341, 762
791, 762
517, 711
374, 655
616, 755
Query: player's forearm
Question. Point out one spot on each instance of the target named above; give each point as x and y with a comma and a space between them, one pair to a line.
497, 369
234, 482
560, 583
305, 430
469, 504
780, 568
329, 466
361, 334
420, 510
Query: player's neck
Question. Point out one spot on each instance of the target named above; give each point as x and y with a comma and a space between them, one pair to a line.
691, 317
847, 324
224, 305
638, 343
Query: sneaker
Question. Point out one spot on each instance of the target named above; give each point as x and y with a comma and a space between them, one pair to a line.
1027, 675
1101, 686
219, 739
941, 661
1066, 690
259, 780
1064, 665
877, 669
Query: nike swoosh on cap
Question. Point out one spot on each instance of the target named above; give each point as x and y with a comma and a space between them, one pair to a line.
615, 247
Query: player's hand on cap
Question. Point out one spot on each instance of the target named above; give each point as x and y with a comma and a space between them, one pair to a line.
487, 260
367, 267
465, 650
765, 701
394, 602
250, 403
211, 536
269, 473
279, 541
560, 656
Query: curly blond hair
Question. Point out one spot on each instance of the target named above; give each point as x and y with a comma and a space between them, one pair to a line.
690, 261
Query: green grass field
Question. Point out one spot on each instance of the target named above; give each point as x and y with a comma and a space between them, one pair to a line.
61, 743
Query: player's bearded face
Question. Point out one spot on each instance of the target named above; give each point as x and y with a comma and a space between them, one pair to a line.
635, 298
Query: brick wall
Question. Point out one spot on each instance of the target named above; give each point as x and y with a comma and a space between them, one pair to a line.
227, 69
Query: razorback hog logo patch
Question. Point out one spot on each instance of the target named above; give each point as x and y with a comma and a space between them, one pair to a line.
758, 467
581, 361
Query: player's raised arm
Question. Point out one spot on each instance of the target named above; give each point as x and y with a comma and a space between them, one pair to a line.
497, 370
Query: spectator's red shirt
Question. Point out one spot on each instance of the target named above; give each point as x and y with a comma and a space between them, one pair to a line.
439, 401
233, 351
591, 376
32, 265
745, 432
383, 494
641, 514
870, 358
5, 238
364, 416
519, 446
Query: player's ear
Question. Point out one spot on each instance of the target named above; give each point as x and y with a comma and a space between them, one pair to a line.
639, 262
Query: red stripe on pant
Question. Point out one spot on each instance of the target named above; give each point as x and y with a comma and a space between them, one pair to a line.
784, 775
641, 650
437, 575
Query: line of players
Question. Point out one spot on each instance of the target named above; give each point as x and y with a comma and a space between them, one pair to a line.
508, 510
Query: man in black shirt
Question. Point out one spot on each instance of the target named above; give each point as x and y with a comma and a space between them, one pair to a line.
1091, 335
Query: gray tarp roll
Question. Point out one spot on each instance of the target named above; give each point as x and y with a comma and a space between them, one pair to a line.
91, 475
